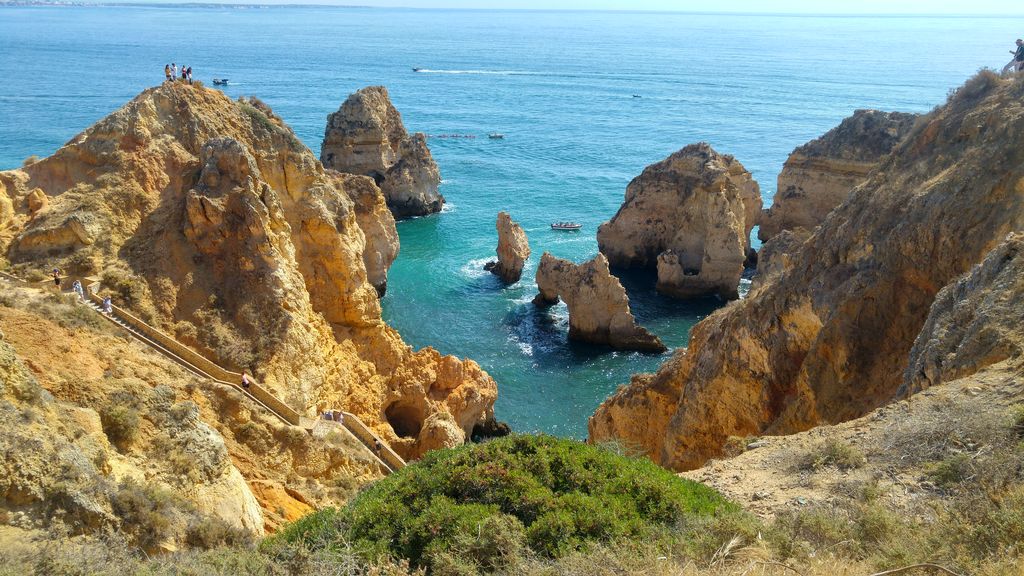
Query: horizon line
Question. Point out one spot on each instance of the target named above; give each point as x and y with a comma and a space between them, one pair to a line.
258, 5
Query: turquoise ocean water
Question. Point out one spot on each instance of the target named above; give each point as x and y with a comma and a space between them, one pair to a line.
559, 85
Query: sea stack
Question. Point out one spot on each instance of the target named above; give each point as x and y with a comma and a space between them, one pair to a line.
598, 305
242, 246
820, 175
366, 137
831, 338
688, 216
513, 250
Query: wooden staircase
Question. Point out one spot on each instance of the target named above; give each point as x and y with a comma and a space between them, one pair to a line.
202, 367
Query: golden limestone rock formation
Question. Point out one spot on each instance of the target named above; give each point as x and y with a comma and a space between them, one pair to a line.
689, 216
598, 305
513, 250
830, 339
141, 419
975, 322
212, 221
71, 462
366, 136
820, 175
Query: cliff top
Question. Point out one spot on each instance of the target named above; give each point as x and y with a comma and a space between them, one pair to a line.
863, 137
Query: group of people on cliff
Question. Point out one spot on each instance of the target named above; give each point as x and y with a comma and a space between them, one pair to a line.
1017, 64
171, 73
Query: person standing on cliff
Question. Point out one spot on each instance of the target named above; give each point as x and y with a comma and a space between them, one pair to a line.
184, 73
174, 71
167, 72
189, 75
56, 277
1017, 64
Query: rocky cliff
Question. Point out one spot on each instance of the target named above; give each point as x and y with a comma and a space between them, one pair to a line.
598, 305
366, 136
820, 175
975, 322
689, 216
513, 250
211, 220
830, 339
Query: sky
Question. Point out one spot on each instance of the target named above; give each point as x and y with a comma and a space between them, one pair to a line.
993, 7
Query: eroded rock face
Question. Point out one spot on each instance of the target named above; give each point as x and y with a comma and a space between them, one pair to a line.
598, 305
513, 250
43, 435
829, 340
689, 216
231, 231
976, 321
366, 137
820, 175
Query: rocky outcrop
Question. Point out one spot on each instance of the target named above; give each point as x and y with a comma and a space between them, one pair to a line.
829, 340
775, 257
598, 304
215, 223
366, 137
61, 463
513, 250
820, 175
689, 216
975, 322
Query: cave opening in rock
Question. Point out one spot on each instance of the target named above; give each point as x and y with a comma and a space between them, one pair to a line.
377, 177
405, 420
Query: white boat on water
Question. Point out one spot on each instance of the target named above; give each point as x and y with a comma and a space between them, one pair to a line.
566, 226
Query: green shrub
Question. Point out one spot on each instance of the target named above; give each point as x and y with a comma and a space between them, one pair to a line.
212, 532
833, 453
479, 507
1017, 421
145, 511
120, 424
950, 471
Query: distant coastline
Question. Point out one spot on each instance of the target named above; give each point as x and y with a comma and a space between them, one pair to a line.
249, 6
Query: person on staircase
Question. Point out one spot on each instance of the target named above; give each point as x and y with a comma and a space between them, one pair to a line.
56, 278
77, 287
108, 306
245, 381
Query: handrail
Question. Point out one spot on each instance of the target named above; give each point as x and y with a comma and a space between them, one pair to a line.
204, 364
205, 367
343, 429
361, 431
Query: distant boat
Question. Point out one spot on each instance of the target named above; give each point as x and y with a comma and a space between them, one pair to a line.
566, 226
220, 81
417, 69
496, 136
637, 96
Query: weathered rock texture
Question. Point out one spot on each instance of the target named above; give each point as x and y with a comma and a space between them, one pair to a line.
820, 175
205, 443
366, 136
690, 217
830, 339
214, 222
59, 462
513, 250
975, 322
598, 304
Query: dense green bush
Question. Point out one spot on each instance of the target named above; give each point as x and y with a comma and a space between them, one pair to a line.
479, 507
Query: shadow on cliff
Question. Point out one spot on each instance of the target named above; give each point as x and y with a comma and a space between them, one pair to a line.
649, 306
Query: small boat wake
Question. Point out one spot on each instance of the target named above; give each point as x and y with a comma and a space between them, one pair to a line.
480, 72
